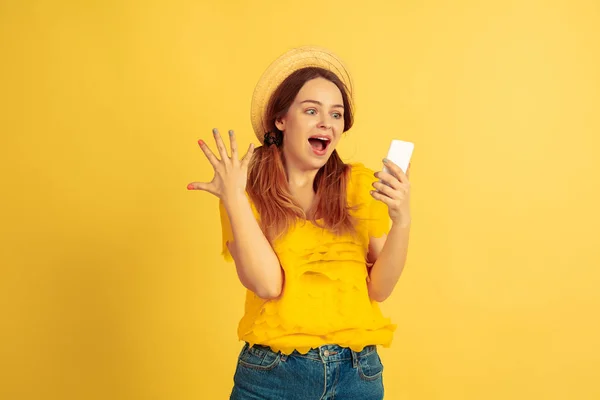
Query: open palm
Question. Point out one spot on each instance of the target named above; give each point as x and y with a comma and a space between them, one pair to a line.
231, 173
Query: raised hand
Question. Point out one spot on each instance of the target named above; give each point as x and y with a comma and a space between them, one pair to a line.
394, 190
231, 173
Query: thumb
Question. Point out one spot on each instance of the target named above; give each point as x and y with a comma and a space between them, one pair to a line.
207, 187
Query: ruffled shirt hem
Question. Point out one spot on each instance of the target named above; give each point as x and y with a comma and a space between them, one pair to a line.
355, 339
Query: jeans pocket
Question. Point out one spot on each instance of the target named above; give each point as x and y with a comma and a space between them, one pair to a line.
260, 358
370, 366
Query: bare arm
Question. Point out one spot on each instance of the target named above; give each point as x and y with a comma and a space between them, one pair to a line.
256, 263
391, 254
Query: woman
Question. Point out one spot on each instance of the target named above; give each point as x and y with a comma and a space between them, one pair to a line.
310, 237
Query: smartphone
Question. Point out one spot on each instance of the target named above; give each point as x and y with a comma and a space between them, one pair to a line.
400, 153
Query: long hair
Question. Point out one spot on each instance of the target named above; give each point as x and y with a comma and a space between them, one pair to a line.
267, 179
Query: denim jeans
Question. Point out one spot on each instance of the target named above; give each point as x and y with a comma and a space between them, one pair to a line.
325, 373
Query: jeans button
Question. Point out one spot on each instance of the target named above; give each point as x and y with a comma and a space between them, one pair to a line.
326, 353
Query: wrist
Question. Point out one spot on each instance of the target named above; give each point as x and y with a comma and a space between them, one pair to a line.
402, 222
233, 201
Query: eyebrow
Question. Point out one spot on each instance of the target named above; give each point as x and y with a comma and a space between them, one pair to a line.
321, 104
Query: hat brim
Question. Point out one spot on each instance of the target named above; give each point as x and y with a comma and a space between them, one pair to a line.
281, 68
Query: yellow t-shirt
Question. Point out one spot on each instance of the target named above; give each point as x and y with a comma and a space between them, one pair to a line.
325, 298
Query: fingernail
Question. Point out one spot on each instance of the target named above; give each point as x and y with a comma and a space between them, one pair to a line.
190, 186
215, 131
385, 160
230, 133
201, 142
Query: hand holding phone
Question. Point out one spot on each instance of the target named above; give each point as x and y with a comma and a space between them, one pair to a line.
397, 193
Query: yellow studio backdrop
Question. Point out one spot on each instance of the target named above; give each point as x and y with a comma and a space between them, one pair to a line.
112, 285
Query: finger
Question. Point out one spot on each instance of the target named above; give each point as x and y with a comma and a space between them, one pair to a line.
386, 190
408, 171
396, 170
248, 156
381, 197
214, 161
207, 187
233, 145
388, 179
220, 144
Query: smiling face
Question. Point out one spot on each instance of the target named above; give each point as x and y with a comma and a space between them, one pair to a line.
313, 124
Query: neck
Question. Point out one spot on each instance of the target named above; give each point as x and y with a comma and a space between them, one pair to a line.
300, 178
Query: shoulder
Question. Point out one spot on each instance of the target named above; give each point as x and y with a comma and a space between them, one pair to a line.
360, 183
360, 176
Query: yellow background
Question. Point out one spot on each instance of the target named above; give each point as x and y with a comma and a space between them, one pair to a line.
112, 285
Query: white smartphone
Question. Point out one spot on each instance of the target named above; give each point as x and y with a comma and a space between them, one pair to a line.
400, 153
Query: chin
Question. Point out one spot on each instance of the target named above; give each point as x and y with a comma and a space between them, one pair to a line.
318, 163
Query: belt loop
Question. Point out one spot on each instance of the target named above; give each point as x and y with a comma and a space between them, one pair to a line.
354, 359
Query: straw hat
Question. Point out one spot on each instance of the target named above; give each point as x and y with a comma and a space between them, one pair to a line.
281, 68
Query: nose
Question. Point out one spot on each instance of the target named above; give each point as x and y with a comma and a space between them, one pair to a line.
325, 123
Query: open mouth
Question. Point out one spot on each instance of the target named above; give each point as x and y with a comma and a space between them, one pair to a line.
319, 144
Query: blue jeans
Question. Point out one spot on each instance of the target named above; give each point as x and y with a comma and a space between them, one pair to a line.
326, 373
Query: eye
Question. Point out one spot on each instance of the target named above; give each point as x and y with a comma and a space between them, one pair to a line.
311, 111
337, 115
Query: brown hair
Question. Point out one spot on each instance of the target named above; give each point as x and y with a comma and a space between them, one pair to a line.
267, 180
